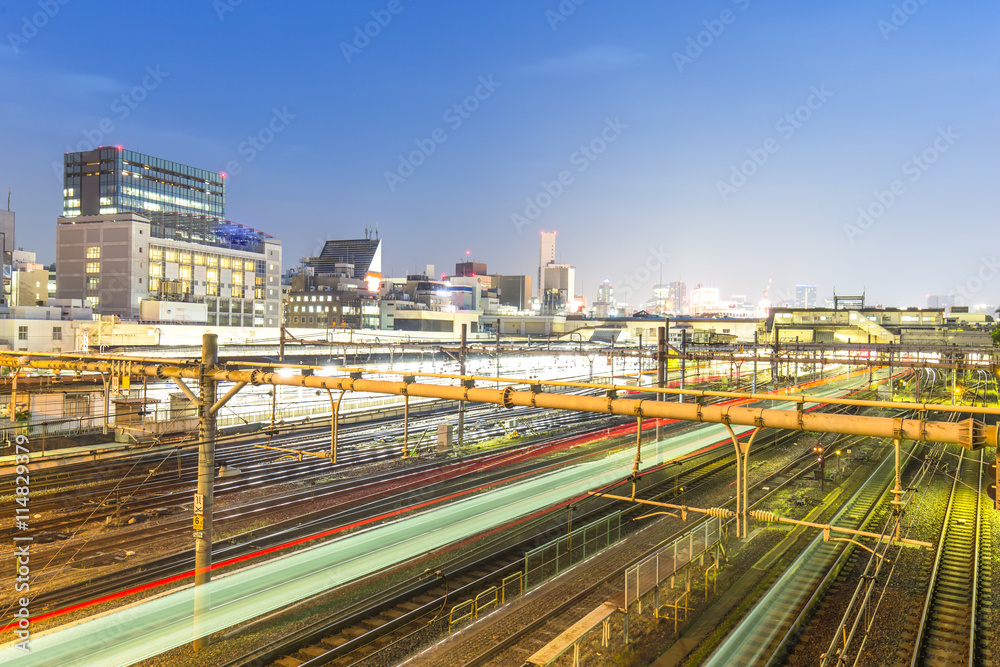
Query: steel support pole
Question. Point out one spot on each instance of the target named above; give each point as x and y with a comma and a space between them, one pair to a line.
638, 454
897, 490
406, 426
334, 423
206, 483
461, 404
661, 370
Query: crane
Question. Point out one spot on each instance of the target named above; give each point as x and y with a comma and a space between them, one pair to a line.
768, 288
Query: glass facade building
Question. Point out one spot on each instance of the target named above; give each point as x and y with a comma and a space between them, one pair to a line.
110, 180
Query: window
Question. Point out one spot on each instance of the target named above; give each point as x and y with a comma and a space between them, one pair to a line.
22, 333
155, 254
212, 260
155, 271
170, 255
185, 257
76, 405
199, 259
248, 265
225, 263
237, 278
93, 282
184, 271
94, 252
94, 301
154, 284
56, 333
237, 292
93, 267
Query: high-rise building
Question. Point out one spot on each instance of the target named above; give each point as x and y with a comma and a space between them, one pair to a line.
805, 296
110, 180
604, 306
546, 256
677, 296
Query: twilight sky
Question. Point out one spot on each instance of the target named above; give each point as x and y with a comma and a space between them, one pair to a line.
847, 144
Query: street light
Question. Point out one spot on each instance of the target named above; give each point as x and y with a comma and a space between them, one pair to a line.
838, 463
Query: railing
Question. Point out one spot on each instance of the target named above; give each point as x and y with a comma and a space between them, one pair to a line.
544, 562
646, 575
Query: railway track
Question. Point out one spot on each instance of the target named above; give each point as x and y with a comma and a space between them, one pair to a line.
948, 632
385, 633
760, 636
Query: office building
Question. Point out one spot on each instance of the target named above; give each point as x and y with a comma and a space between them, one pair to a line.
110, 180
559, 280
466, 269
171, 267
604, 306
513, 291
805, 296
364, 255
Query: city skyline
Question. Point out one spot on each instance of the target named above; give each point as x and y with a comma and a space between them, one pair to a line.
703, 138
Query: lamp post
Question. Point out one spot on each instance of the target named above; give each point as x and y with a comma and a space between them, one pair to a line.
838, 463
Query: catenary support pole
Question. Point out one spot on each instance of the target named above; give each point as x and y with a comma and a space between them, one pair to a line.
206, 484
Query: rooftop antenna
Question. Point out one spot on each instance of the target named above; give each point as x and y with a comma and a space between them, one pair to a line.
8, 199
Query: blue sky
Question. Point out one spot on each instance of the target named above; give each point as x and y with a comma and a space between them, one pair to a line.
717, 142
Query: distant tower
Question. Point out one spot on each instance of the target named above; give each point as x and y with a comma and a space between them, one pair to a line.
546, 256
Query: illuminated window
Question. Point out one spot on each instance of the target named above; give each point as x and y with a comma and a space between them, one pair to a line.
212, 289
185, 257
94, 301
154, 284
225, 262
184, 272
93, 282
237, 278
93, 267
155, 271
94, 252
237, 292
248, 265
155, 254
212, 275
170, 255
199, 259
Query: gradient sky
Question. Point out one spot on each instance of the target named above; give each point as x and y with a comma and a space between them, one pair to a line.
893, 78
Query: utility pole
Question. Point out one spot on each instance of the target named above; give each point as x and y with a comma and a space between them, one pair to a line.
461, 404
684, 338
206, 484
754, 389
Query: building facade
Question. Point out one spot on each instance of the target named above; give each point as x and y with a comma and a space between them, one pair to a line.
110, 180
115, 262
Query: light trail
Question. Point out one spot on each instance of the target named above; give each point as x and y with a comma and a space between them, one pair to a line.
150, 627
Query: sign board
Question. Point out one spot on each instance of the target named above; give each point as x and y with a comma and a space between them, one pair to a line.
199, 534
199, 522
199, 503
126, 382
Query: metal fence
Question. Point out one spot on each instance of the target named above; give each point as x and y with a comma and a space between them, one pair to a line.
646, 575
544, 562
